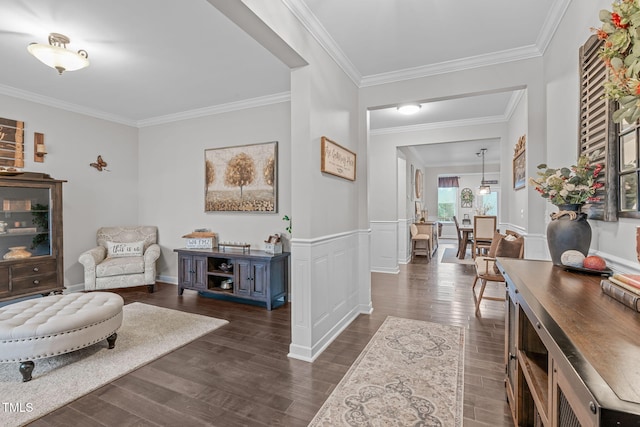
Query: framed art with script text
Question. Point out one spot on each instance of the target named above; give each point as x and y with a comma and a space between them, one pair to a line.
337, 160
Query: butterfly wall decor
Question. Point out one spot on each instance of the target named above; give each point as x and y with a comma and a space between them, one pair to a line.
99, 164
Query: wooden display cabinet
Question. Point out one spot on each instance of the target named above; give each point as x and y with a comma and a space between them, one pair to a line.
252, 276
31, 220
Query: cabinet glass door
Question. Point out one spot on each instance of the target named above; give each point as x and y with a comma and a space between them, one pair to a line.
25, 228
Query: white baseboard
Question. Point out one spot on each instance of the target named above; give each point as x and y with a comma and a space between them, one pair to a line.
79, 287
172, 280
386, 271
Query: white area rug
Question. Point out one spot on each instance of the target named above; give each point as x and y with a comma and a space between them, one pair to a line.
410, 374
147, 332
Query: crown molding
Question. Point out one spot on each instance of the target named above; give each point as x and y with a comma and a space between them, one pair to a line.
515, 98
551, 24
517, 54
318, 32
191, 114
217, 109
440, 125
68, 106
414, 152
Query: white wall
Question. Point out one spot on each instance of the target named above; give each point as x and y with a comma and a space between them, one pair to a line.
330, 280
328, 251
161, 181
172, 182
91, 199
388, 230
614, 240
516, 204
547, 114
525, 74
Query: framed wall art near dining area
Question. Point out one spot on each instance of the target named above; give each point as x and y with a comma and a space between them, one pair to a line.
419, 183
242, 178
520, 164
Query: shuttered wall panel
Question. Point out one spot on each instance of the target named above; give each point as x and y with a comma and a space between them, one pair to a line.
597, 130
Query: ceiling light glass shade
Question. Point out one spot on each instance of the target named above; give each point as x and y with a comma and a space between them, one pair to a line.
484, 189
409, 108
56, 55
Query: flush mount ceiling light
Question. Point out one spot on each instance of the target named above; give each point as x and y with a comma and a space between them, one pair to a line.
409, 108
484, 188
56, 55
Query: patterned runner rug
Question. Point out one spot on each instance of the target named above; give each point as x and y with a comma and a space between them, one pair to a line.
410, 374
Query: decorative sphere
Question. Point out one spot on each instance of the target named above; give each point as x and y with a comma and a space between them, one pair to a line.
572, 258
594, 262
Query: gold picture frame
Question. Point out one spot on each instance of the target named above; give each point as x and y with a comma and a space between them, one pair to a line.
520, 164
337, 160
419, 183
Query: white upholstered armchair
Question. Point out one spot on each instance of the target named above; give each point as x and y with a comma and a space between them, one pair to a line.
124, 257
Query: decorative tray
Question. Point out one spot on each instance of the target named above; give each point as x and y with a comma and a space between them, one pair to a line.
606, 272
10, 173
244, 246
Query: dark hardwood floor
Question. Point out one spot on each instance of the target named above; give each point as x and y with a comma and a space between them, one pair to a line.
240, 375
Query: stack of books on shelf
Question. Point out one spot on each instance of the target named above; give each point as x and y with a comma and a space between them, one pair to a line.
624, 288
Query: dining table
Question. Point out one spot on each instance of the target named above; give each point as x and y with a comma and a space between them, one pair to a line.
467, 231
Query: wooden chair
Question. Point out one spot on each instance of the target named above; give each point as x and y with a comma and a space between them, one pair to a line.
486, 271
469, 240
420, 240
484, 227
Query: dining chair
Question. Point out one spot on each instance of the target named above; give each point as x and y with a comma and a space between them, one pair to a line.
420, 240
484, 227
509, 245
460, 239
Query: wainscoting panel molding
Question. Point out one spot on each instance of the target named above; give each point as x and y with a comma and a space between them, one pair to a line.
404, 240
384, 247
326, 290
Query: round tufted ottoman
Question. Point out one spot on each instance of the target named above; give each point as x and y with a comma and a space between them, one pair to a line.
57, 324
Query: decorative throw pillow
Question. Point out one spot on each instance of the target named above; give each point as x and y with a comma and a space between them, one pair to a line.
508, 248
117, 250
497, 237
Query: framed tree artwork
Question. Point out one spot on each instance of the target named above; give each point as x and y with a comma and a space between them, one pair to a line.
242, 178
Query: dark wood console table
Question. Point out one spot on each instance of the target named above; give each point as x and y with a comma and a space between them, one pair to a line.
572, 353
253, 275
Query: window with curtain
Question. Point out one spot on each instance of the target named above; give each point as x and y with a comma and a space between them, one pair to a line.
447, 197
448, 182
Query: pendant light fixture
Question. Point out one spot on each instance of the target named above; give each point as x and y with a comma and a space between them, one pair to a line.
484, 187
56, 55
